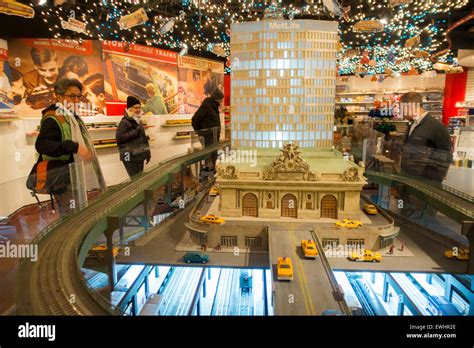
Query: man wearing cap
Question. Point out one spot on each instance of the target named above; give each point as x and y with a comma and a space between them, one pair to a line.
133, 143
206, 121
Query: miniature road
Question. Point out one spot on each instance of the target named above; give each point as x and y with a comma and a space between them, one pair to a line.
310, 292
160, 250
428, 257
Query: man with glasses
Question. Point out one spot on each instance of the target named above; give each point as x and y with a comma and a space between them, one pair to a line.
133, 143
64, 139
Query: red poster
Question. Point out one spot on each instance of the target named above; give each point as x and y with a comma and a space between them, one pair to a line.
140, 51
74, 47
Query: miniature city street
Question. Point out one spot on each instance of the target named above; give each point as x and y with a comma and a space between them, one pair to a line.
415, 275
288, 224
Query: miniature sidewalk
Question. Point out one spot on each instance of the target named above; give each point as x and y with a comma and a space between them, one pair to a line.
396, 250
187, 244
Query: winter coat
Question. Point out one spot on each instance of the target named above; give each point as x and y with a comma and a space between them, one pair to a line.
207, 116
132, 141
427, 151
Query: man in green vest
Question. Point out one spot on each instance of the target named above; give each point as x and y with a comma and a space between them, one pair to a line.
63, 137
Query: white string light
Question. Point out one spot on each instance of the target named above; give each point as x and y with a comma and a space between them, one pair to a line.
401, 23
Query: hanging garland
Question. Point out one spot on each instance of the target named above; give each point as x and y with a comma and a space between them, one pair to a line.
377, 36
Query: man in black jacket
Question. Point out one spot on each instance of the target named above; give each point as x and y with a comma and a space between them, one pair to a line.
426, 143
206, 121
133, 143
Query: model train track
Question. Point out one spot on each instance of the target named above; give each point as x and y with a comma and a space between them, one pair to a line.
54, 285
457, 200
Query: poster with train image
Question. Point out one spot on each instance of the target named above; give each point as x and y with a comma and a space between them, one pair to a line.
110, 71
148, 73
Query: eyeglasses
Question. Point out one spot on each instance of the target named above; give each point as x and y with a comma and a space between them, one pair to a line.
74, 96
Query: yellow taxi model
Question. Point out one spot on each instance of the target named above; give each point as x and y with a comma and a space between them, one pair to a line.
98, 253
365, 256
457, 254
284, 268
309, 248
214, 191
212, 219
348, 223
103, 248
370, 209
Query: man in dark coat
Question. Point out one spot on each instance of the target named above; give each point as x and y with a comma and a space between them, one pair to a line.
206, 121
426, 144
133, 143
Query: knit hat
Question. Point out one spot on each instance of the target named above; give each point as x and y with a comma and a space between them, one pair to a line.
132, 101
216, 95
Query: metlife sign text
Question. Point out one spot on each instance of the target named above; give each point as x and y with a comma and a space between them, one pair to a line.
284, 26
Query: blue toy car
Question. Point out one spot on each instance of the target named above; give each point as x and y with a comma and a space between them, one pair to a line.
331, 313
194, 257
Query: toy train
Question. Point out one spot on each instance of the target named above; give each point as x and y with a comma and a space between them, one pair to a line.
178, 122
102, 125
105, 142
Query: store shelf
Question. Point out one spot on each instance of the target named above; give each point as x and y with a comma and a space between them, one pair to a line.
8, 117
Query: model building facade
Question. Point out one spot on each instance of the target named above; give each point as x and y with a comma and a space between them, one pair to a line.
283, 83
283, 88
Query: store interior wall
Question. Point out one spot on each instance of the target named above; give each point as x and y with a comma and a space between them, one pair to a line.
454, 92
